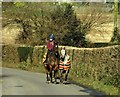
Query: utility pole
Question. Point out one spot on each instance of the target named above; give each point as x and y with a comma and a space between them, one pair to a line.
115, 14
115, 33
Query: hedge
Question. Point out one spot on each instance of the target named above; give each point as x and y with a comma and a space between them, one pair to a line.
101, 64
10, 54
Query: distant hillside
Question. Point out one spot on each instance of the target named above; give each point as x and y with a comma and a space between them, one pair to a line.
103, 35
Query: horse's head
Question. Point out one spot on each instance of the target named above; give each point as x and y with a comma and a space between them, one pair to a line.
63, 51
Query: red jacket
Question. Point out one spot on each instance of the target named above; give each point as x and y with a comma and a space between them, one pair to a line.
50, 45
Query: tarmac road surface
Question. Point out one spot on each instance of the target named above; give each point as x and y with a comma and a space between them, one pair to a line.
19, 82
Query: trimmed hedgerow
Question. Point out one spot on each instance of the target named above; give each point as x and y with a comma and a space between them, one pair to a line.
9, 54
98, 64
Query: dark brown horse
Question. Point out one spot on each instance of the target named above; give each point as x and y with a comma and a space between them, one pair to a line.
52, 64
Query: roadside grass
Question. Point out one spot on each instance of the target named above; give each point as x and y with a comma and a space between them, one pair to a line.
86, 82
96, 85
24, 66
9, 65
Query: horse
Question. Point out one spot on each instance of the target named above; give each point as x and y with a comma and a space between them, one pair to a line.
52, 64
64, 68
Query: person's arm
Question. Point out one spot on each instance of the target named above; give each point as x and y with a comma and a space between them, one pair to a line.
47, 45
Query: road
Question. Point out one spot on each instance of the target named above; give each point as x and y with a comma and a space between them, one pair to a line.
19, 82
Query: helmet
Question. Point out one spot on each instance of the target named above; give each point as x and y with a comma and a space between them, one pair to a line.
51, 37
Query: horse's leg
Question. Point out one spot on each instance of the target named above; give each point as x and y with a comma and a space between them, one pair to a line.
61, 76
55, 73
51, 76
55, 77
47, 76
47, 72
50, 73
66, 74
48, 79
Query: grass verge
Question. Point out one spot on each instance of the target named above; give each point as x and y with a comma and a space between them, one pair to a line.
96, 85
24, 66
